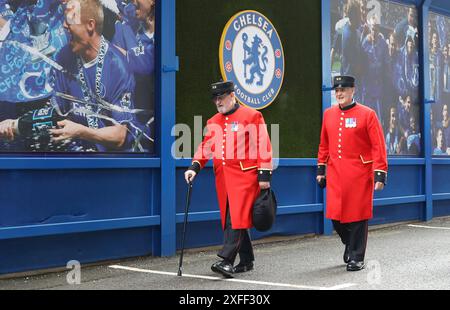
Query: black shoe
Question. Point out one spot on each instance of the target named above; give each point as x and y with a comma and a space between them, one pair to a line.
346, 254
355, 266
224, 268
243, 267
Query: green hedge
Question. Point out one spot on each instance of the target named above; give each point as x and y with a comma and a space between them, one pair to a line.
298, 106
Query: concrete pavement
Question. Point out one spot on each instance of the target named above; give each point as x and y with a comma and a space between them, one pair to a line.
401, 256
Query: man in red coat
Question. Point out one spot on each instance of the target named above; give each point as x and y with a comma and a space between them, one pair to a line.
352, 152
239, 144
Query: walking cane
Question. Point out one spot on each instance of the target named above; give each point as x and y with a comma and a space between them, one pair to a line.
186, 212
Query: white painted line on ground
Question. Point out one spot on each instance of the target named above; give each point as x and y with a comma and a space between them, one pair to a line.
336, 287
429, 227
340, 286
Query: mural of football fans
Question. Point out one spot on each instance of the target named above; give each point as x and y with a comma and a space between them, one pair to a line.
393, 134
377, 42
347, 35
440, 148
375, 51
134, 37
439, 65
95, 72
69, 83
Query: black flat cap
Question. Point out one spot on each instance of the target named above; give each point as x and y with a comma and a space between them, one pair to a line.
343, 81
221, 88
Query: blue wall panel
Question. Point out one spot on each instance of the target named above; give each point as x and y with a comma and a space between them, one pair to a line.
397, 213
210, 233
55, 251
441, 179
204, 197
403, 181
292, 186
296, 224
295, 185
441, 208
199, 234
57, 196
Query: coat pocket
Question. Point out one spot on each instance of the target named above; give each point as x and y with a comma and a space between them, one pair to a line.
244, 168
365, 161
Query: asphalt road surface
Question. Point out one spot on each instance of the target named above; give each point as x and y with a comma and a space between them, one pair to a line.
404, 256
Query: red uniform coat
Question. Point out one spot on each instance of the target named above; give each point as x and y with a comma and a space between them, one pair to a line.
352, 147
240, 147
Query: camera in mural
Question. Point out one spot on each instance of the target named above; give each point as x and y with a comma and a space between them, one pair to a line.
90, 62
377, 43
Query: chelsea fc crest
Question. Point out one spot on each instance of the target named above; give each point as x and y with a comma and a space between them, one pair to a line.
251, 55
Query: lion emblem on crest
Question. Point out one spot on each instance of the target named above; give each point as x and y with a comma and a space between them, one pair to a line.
254, 59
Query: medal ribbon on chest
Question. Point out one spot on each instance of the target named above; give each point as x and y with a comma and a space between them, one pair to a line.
350, 122
234, 126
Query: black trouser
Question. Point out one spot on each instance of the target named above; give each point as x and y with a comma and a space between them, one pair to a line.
353, 235
236, 241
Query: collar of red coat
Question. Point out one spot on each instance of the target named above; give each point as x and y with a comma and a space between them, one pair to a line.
234, 109
348, 107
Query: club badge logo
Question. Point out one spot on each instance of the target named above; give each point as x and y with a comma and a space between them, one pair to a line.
251, 55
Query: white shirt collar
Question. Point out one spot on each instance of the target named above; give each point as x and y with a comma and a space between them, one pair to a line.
89, 64
150, 35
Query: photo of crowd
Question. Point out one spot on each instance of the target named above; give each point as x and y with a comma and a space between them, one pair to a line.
77, 76
377, 43
439, 64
